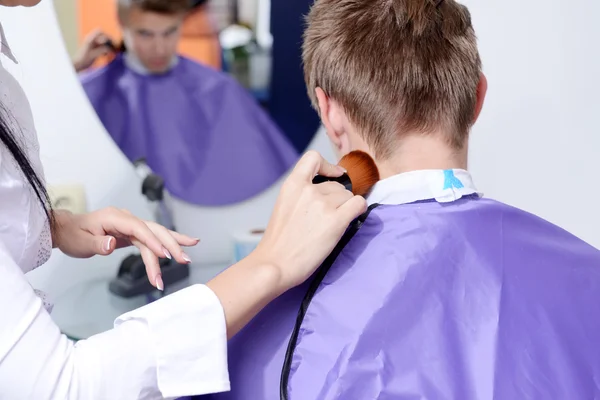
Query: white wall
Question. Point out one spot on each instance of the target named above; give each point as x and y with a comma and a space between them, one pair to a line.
535, 145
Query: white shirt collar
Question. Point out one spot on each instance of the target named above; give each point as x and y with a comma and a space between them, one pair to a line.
441, 185
4, 49
134, 63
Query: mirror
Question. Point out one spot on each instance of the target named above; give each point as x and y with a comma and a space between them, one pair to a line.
212, 98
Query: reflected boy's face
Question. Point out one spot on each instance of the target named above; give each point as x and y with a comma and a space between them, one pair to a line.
152, 37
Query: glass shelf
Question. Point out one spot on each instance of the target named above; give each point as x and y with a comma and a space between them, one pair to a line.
90, 308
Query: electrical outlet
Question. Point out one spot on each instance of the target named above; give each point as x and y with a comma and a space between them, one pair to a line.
68, 197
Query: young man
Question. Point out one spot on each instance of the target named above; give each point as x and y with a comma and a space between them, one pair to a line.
436, 293
196, 127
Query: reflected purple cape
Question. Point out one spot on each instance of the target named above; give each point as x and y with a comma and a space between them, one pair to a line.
467, 300
197, 128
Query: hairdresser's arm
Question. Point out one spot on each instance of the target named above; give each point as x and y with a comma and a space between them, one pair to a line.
306, 224
93, 47
171, 348
175, 346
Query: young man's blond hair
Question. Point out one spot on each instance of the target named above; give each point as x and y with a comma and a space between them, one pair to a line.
395, 67
167, 7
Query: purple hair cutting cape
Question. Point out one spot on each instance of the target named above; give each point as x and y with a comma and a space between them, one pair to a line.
198, 128
467, 300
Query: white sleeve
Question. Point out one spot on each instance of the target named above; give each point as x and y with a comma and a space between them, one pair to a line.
176, 346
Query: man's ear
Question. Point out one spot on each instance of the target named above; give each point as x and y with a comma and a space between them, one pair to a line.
481, 92
332, 118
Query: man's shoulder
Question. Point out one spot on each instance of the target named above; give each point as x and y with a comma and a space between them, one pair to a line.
463, 229
204, 73
465, 214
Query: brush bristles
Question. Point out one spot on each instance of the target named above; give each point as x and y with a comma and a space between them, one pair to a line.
362, 171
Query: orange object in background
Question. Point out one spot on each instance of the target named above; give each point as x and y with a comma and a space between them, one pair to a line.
199, 40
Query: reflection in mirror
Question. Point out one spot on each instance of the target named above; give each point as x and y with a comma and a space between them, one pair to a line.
212, 96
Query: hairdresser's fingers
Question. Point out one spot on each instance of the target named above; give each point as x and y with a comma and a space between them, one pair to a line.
97, 52
338, 198
170, 243
152, 266
327, 188
93, 38
184, 240
122, 224
311, 164
351, 209
101, 40
86, 244
104, 245
329, 170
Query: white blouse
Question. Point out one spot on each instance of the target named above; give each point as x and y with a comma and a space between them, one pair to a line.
173, 347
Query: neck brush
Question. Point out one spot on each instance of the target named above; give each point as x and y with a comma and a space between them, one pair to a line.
362, 173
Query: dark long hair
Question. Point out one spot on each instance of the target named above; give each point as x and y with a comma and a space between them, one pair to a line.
10, 141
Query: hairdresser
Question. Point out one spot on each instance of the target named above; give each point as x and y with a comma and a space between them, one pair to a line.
173, 347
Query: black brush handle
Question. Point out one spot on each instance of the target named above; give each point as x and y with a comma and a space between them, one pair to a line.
109, 43
344, 180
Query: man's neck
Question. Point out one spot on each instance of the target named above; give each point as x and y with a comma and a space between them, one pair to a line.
423, 152
134, 63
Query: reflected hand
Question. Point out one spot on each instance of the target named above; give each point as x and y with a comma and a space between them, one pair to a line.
94, 46
308, 221
103, 231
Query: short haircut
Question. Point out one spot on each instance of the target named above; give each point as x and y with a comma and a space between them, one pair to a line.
169, 7
395, 66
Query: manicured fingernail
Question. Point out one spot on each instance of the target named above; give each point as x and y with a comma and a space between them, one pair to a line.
186, 257
344, 170
167, 254
107, 244
159, 282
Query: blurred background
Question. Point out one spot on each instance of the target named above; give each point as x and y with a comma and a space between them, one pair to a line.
254, 42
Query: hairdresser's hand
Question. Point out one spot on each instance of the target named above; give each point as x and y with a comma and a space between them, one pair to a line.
101, 232
308, 220
94, 46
